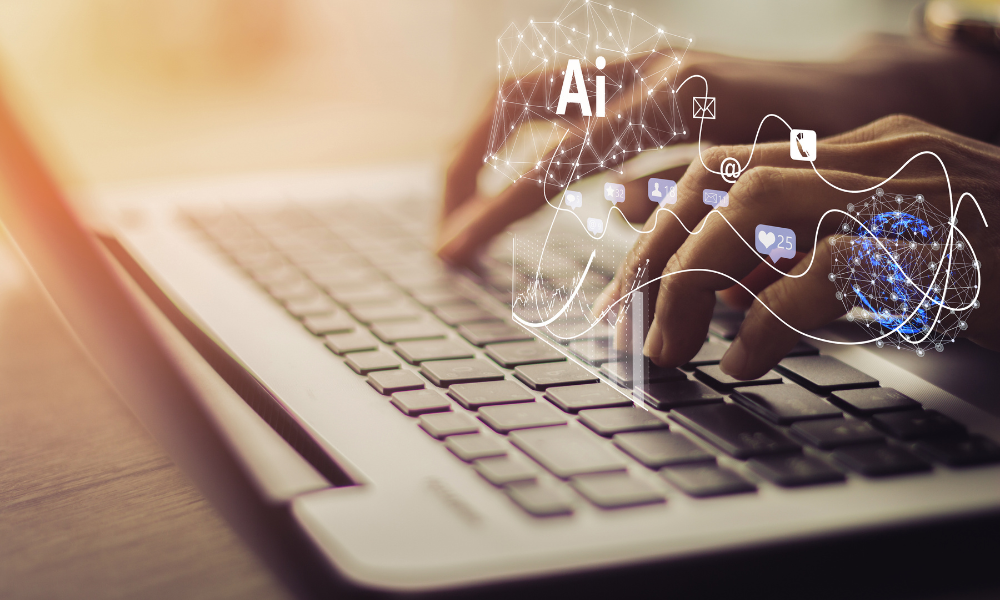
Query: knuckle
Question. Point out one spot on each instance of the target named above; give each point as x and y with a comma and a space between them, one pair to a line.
900, 122
758, 183
715, 154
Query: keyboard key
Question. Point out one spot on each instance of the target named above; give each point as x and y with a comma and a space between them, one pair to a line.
444, 373
460, 314
402, 331
918, 424
873, 400
420, 351
332, 323
878, 460
364, 363
275, 275
824, 374
609, 421
803, 349
333, 278
706, 480
420, 402
374, 293
542, 376
442, 424
574, 398
396, 380
482, 334
710, 354
501, 471
616, 490
345, 343
296, 289
976, 450
540, 500
834, 433
507, 418
795, 470
380, 313
301, 308
734, 430
438, 297
476, 395
713, 375
673, 394
661, 448
620, 372
515, 354
785, 403
594, 352
580, 330
475, 446
567, 451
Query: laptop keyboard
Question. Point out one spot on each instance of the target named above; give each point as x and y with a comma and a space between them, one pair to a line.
503, 399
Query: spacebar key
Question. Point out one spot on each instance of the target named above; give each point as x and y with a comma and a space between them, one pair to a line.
566, 451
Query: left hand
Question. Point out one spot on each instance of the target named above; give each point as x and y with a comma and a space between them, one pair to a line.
778, 191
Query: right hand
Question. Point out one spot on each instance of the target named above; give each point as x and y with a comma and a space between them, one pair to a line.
887, 75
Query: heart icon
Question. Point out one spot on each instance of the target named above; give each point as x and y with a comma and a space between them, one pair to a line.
766, 238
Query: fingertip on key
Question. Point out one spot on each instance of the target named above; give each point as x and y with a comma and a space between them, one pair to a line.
654, 342
734, 361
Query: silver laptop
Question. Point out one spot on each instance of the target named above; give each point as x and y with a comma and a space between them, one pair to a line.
390, 423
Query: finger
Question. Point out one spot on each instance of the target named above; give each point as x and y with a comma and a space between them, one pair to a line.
725, 252
462, 173
802, 303
663, 233
473, 224
741, 296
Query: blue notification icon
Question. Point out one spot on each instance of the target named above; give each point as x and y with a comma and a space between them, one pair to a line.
662, 191
775, 242
715, 198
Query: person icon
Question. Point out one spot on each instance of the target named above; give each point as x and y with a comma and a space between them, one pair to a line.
656, 190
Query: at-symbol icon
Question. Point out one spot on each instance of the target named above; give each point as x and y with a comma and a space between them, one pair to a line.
730, 169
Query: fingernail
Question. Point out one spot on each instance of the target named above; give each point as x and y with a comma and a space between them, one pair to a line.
734, 362
654, 341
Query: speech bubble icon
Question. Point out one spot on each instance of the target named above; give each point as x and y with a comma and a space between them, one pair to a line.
614, 192
715, 198
573, 200
662, 191
595, 226
775, 242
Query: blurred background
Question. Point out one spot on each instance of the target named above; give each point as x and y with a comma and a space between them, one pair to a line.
131, 90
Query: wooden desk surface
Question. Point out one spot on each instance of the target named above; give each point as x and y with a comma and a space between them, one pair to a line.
90, 505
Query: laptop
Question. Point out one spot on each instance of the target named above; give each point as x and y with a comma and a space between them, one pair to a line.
392, 428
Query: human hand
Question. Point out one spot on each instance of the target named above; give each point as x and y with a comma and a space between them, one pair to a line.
778, 191
885, 75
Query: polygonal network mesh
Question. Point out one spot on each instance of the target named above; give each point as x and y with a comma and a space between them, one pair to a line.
904, 272
642, 114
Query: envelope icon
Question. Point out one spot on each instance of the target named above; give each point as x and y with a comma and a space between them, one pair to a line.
704, 107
